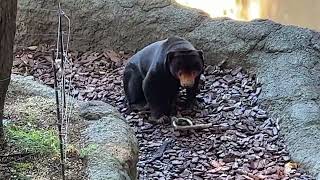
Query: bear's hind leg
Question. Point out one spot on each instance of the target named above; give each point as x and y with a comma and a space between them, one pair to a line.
132, 82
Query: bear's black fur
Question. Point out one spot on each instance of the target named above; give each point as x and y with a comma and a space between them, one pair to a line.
154, 74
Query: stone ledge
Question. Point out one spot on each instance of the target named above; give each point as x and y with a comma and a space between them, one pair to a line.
112, 143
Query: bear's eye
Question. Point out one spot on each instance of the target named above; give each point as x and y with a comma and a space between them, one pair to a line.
195, 65
194, 73
179, 63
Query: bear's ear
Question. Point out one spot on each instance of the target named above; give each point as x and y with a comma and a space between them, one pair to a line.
200, 52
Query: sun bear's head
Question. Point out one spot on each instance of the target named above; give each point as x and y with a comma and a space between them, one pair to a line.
185, 66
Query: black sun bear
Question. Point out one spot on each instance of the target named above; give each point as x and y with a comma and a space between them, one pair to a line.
154, 75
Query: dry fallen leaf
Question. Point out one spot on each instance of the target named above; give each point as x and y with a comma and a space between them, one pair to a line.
289, 167
32, 48
72, 151
280, 171
113, 56
25, 59
215, 170
218, 164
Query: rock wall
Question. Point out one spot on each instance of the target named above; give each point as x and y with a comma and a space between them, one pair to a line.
285, 58
98, 24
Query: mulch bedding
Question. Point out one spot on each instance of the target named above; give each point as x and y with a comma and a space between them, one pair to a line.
244, 142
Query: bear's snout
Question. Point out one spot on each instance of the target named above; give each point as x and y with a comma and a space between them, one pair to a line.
186, 80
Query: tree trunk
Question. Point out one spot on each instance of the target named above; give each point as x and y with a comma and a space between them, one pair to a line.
8, 12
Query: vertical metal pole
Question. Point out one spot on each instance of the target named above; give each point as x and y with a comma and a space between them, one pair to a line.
60, 123
58, 115
62, 57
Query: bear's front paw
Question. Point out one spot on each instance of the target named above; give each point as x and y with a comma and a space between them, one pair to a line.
162, 120
138, 107
190, 104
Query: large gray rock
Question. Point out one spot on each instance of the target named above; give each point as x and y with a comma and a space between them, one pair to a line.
285, 58
110, 144
98, 24
115, 148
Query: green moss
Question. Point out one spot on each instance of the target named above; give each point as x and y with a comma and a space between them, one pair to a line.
86, 151
21, 167
21, 170
33, 140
